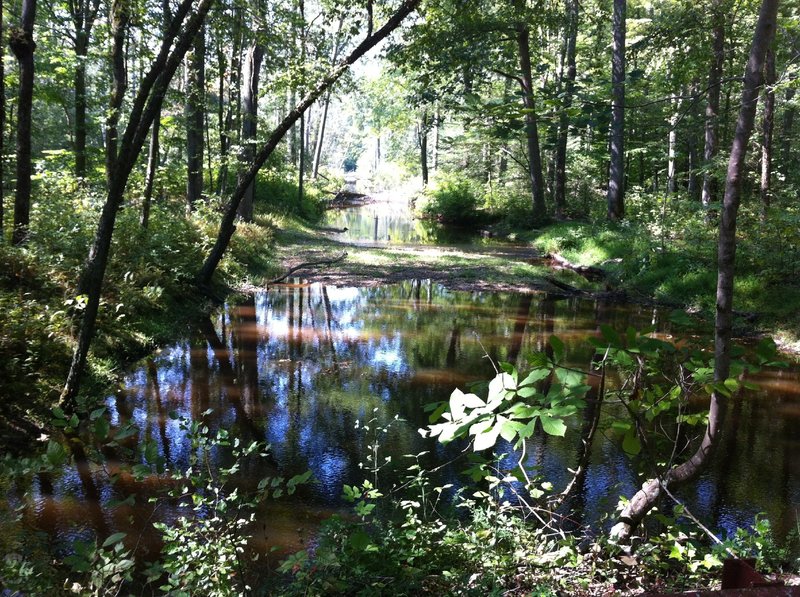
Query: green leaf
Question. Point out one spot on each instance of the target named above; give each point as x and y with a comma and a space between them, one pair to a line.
631, 443
558, 348
359, 540
56, 454
553, 426
115, 538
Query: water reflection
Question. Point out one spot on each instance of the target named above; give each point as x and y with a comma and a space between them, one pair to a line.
390, 219
298, 366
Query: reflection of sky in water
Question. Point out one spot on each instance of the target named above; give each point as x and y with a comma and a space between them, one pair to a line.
302, 364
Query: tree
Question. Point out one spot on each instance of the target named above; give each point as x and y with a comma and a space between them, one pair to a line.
569, 72
227, 226
146, 105
195, 117
765, 191
120, 18
644, 500
712, 106
23, 46
616, 174
531, 125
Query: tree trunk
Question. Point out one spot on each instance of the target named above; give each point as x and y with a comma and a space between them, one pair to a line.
145, 106
2, 126
23, 46
227, 227
195, 112
152, 166
301, 166
531, 126
766, 132
787, 163
616, 173
324, 118
712, 107
570, 40
83, 16
648, 495
672, 171
119, 26
424, 127
252, 69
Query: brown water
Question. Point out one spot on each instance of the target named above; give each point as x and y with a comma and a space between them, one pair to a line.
299, 365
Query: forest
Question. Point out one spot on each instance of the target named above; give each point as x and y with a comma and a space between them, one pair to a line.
390, 297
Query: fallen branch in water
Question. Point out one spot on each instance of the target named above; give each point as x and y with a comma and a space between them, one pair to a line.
563, 285
307, 264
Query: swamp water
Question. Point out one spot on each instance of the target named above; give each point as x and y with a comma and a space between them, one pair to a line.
299, 365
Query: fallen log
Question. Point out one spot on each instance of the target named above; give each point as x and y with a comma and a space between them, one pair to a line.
306, 265
584, 270
563, 286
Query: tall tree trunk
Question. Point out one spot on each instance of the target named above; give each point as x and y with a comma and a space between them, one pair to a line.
195, 112
766, 132
648, 495
672, 145
23, 46
616, 172
569, 73
227, 227
146, 105
531, 126
119, 26
437, 123
234, 93
251, 73
712, 107
324, 119
83, 15
424, 128
2, 126
787, 163
301, 167
152, 167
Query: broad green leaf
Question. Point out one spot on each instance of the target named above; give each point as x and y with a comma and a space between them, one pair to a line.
558, 348
631, 443
115, 538
553, 426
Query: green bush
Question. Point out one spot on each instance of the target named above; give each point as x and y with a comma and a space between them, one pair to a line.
453, 201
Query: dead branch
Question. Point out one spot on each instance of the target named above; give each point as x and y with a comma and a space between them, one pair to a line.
306, 265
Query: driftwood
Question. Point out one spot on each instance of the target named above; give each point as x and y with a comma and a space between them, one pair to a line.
584, 270
329, 229
306, 265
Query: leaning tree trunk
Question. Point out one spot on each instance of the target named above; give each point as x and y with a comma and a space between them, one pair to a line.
712, 107
531, 126
616, 173
651, 491
195, 121
570, 41
23, 46
766, 132
144, 109
227, 226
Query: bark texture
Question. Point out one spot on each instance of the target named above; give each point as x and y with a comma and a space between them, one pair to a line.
765, 191
195, 118
252, 68
651, 491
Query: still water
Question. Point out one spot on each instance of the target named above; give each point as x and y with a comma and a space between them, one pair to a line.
297, 366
